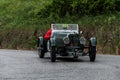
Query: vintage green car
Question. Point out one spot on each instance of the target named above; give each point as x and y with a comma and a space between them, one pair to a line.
67, 40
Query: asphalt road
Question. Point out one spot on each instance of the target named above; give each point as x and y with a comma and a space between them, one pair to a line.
25, 65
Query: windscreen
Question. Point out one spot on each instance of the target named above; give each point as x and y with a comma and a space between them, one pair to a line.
64, 26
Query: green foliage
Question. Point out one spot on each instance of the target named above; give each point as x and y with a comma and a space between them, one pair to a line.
37, 12
22, 21
117, 4
79, 7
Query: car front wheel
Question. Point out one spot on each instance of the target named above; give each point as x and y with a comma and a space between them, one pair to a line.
53, 54
92, 53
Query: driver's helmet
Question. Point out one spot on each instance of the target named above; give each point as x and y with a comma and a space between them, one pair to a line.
64, 26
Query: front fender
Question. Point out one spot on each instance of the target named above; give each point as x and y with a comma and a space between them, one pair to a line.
52, 41
93, 41
41, 41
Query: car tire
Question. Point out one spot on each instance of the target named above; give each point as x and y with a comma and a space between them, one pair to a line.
53, 54
92, 53
41, 53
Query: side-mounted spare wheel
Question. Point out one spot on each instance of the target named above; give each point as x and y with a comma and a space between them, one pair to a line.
40, 46
53, 54
41, 53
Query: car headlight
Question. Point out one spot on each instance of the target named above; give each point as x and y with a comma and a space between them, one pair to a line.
82, 40
66, 40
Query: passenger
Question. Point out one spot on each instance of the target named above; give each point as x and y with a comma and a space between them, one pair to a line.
47, 36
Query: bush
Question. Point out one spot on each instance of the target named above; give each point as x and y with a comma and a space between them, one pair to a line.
78, 7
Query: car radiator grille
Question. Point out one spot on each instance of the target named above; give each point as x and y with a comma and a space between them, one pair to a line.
74, 40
